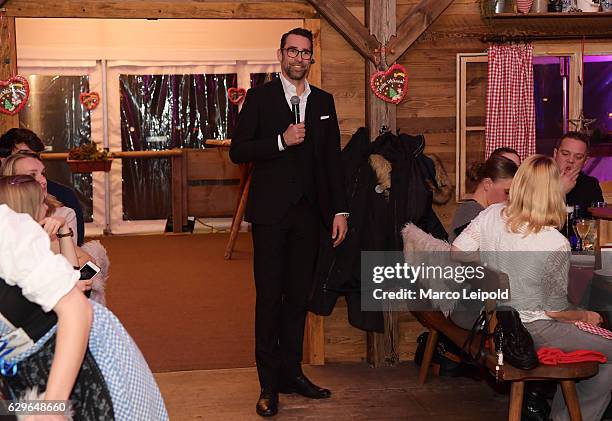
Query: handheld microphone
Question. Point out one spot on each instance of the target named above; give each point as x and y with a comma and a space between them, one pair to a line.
295, 107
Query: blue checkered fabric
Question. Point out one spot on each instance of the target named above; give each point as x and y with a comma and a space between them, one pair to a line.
133, 389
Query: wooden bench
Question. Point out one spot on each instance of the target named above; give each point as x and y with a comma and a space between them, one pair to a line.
565, 374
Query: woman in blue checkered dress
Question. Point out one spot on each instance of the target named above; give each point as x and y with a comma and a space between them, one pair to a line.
41, 349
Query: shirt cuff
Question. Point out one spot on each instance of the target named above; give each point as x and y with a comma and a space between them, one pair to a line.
280, 143
345, 214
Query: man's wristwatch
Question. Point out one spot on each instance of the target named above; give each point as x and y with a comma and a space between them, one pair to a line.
70, 233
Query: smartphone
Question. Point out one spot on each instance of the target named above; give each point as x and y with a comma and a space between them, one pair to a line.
89, 270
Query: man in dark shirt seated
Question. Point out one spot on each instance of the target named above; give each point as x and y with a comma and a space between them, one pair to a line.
15, 140
571, 154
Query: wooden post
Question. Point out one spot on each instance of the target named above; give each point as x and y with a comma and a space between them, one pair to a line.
178, 180
380, 15
8, 63
314, 345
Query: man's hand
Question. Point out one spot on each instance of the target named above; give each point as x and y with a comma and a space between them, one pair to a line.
568, 179
295, 133
339, 229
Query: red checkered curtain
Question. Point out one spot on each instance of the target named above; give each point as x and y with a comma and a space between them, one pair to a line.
510, 118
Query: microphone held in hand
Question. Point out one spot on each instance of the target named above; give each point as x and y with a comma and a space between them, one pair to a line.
295, 107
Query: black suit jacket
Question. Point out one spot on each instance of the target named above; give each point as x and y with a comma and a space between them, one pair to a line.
313, 168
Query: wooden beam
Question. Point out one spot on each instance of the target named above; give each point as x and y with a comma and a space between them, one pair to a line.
8, 64
179, 9
380, 16
417, 21
315, 325
314, 26
349, 27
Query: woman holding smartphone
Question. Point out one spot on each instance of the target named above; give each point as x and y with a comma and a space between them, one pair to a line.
114, 381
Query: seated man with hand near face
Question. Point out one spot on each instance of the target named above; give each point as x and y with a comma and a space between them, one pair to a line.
571, 154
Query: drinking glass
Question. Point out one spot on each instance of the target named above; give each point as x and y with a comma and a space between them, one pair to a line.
582, 227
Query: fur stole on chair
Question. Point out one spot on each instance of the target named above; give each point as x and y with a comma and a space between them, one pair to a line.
420, 247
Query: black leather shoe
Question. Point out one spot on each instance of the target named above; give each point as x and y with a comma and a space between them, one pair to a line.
267, 405
302, 386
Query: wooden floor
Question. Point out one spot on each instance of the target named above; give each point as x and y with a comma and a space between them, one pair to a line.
358, 393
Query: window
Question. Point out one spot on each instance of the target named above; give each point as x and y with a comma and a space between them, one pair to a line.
559, 96
55, 113
163, 112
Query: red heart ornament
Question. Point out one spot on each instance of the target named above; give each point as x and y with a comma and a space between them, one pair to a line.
14, 94
390, 85
236, 95
90, 100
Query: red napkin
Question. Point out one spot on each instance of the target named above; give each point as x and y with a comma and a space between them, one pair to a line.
554, 356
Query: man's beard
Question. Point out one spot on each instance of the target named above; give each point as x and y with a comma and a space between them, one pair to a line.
295, 74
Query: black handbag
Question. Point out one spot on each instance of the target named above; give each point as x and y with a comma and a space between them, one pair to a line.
513, 340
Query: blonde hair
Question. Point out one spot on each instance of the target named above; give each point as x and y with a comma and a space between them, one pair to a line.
8, 168
535, 200
21, 193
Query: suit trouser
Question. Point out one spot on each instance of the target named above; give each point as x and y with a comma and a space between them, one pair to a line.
284, 259
593, 393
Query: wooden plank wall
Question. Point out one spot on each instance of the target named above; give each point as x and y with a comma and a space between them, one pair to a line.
429, 108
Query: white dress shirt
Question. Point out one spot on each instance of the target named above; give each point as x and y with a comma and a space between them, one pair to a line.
291, 91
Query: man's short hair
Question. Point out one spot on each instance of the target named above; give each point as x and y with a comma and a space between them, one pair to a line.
303, 32
583, 137
15, 136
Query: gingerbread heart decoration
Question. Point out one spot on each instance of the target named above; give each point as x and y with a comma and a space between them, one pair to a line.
90, 100
236, 95
14, 94
390, 85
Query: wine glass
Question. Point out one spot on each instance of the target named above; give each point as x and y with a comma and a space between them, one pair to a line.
582, 227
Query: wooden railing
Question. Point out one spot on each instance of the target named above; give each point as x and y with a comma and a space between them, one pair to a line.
179, 177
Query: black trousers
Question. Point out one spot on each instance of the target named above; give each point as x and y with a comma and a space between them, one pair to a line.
284, 259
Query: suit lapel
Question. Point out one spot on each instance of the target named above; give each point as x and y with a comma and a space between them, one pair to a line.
280, 102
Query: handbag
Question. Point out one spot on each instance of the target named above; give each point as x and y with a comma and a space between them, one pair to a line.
513, 340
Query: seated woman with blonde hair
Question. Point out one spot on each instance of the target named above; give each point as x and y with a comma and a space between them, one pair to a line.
23, 194
521, 239
56, 216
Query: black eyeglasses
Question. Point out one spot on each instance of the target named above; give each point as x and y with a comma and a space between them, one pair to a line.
294, 52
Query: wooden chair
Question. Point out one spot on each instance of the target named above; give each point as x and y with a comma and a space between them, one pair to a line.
565, 374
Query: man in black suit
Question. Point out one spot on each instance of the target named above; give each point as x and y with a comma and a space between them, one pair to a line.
571, 154
296, 187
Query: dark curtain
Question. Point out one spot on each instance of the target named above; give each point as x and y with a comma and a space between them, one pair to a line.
56, 115
261, 78
162, 112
